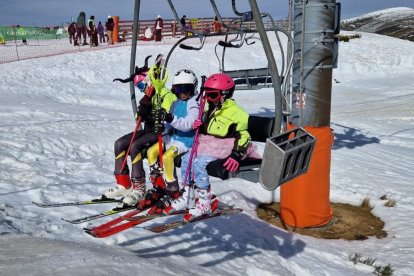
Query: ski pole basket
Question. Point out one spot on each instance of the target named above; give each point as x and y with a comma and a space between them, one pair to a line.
286, 156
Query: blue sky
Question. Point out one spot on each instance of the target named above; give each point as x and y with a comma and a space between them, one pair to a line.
55, 12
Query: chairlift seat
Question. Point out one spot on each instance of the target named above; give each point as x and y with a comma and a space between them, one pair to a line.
259, 128
248, 79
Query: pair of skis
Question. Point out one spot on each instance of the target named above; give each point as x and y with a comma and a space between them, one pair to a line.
132, 218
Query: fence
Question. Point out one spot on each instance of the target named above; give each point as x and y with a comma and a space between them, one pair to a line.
173, 29
19, 43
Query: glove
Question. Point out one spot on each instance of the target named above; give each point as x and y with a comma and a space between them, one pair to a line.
144, 111
162, 115
197, 123
233, 161
145, 101
169, 117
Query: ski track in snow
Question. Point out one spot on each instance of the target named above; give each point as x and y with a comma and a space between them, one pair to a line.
60, 116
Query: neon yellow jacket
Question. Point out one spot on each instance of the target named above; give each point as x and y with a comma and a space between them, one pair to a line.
167, 98
229, 121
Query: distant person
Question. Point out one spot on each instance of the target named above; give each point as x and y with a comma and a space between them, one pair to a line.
183, 24
159, 23
148, 34
72, 32
93, 34
101, 32
216, 25
109, 25
81, 29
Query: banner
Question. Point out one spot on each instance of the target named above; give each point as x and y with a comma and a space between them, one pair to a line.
19, 33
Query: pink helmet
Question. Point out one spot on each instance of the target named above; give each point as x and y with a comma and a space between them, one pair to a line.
221, 82
139, 78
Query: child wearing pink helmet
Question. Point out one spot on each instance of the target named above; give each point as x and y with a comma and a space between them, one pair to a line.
224, 136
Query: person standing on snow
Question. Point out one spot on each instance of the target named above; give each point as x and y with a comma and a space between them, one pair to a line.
180, 133
109, 25
81, 29
159, 23
216, 25
101, 32
183, 24
72, 32
132, 188
93, 34
224, 135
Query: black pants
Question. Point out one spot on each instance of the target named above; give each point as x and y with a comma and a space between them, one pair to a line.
142, 141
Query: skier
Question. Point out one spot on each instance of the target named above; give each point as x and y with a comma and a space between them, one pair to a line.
101, 32
109, 25
224, 136
93, 35
72, 32
159, 24
81, 29
180, 134
133, 188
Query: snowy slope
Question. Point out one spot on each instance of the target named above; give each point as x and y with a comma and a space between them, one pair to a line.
395, 22
59, 117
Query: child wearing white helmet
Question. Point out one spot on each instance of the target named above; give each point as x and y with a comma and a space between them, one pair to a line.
179, 132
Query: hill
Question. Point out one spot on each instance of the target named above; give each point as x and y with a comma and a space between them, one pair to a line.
395, 22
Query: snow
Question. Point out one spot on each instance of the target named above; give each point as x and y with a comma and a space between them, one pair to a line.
59, 117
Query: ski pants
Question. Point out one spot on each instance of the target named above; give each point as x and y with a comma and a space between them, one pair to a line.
141, 142
198, 170
80, 31
174, 149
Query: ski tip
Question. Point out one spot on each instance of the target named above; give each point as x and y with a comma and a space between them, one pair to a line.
90, 233
36, 203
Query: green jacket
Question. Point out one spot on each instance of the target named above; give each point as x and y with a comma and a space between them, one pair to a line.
229, 121
167, 98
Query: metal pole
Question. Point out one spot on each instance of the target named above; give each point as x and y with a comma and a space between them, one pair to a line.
272, 65
133, 56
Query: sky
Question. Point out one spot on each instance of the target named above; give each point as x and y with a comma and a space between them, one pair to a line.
60, 116
48, 13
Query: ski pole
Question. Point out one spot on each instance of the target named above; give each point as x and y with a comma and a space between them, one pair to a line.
151, 90
194, 148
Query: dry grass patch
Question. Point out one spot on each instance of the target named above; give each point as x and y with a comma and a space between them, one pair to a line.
349, 222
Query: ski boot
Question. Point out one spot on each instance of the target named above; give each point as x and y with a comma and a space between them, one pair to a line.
122, 188
172, 193
185, 201
137, 193
206, 203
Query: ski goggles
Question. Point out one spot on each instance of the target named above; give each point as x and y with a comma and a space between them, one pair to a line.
141, 86
183, 88
212, 94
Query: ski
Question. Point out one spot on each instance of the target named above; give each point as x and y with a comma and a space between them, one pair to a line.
221, 211
74, 203
132, 221
152, 216
109, 231
96, 216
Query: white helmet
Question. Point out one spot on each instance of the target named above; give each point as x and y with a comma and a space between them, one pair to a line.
185, 78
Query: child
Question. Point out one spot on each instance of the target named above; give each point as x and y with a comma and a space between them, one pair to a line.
179, 127
133, 189
224, 136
